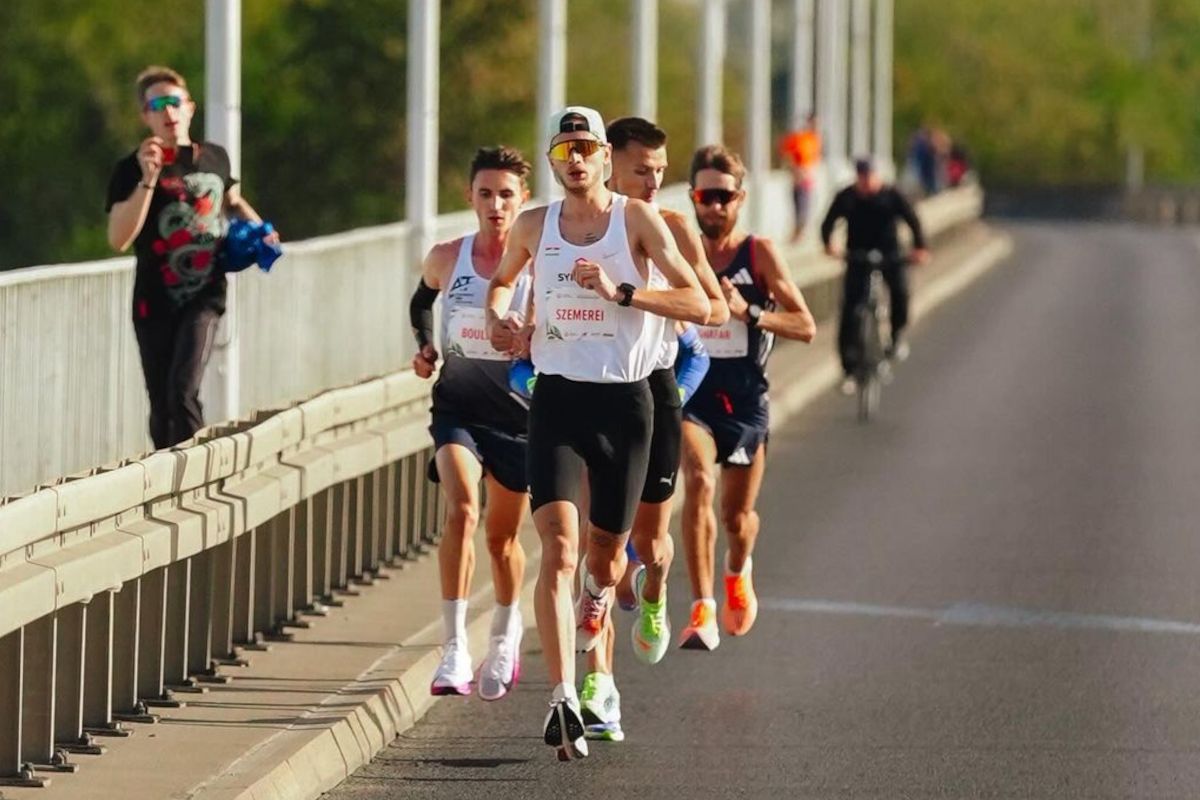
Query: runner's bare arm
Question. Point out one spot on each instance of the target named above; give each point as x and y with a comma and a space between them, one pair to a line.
692, 250
518, 252
685, 300
791, 319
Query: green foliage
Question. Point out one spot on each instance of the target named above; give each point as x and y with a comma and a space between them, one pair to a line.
1054, 93
1041, 92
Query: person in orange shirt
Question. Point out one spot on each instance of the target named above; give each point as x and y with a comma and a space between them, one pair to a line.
802, 150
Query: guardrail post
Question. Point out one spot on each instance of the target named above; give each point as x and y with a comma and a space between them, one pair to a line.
179, 590
98, 689
12, 668
303, 565
372, 521
323, 545
357, 539
264, 540
37, 734
341, 525
152, 639
391, 493
72, 651
282, 572
405, 500
201, 607
418, 488
244, 589
126, 635
224, 569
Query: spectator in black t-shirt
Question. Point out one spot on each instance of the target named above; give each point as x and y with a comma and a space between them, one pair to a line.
871, 210
170, 200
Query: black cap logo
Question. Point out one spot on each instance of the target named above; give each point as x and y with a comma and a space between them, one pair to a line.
570, 123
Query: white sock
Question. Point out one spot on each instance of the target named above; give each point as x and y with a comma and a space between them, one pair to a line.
504, 617
454, 619
710, 602
590, 584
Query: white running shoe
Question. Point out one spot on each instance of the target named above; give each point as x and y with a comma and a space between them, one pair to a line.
848, 386
501, 669
601, 705
563, 729
453, 674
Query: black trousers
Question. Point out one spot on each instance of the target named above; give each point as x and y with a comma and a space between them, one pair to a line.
175, 349
855, 287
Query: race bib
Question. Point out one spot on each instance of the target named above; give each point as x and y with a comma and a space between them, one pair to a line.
468, 335
731, 340
574, 315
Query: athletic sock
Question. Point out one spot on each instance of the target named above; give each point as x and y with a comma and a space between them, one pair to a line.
454, 619
503, 618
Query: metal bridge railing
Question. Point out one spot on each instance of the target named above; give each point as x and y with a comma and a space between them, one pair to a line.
121, 588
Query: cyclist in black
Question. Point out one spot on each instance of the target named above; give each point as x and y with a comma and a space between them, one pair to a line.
871, 210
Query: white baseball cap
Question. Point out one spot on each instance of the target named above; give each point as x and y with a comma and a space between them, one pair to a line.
577, 118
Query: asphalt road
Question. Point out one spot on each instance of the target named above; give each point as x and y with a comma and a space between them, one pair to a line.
992, 590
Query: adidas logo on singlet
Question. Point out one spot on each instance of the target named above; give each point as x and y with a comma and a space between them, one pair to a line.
461, 282
742, 277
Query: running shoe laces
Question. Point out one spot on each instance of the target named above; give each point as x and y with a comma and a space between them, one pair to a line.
591, 615
652, 626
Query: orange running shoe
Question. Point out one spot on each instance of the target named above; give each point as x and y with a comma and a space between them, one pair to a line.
701, 632
741, 604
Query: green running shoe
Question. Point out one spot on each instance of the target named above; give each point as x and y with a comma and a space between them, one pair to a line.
601, 704
651, 630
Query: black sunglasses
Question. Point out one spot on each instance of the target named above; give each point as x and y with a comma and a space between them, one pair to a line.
707, 197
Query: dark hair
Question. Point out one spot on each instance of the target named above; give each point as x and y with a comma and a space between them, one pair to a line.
504, 158
156, 74
718, 157
635, 129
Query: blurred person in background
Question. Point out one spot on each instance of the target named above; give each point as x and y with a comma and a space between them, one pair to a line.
170, 199
802, 150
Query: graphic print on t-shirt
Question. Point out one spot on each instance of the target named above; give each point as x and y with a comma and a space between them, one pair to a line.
189, 230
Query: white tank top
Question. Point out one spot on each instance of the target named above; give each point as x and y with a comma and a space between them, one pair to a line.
464, 322
578, 335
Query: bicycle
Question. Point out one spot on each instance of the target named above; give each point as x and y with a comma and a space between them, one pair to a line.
871, 315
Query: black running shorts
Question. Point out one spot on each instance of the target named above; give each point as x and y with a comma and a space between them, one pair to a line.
738, 426
603, 426
666, 442
502, 454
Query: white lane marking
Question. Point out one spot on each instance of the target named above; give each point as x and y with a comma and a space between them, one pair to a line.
982, 615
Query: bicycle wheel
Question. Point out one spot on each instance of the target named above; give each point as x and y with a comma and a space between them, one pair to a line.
869, 392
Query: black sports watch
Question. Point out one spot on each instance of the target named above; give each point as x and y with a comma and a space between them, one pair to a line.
753, 315
626, 290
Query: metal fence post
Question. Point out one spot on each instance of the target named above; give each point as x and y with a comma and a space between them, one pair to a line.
37, 734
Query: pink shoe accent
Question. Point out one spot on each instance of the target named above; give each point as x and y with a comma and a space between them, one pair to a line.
462, 690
